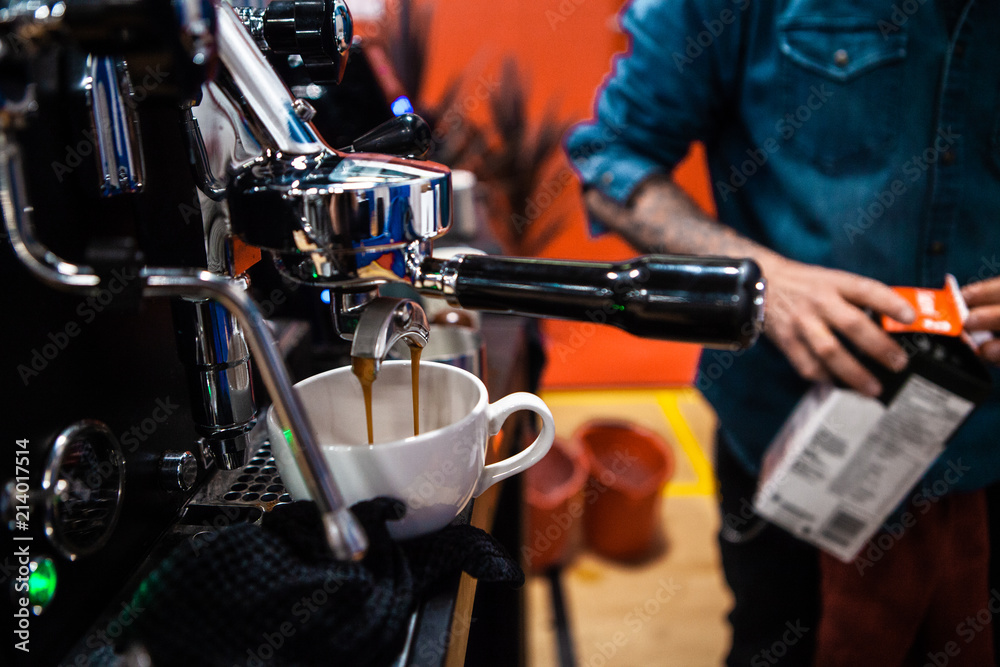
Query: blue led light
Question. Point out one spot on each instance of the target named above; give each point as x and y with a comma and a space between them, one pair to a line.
324, 296
402, 105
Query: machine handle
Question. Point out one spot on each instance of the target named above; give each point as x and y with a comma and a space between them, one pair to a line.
713, 301
408, 136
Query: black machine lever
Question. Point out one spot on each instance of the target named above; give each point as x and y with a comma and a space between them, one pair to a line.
407, 135
713, 301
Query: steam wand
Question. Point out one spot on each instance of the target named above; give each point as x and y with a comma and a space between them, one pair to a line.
345, 536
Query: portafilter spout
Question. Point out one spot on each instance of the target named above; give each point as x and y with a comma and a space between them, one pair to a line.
385, 321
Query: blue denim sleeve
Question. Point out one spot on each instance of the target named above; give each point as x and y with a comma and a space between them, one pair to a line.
669, 90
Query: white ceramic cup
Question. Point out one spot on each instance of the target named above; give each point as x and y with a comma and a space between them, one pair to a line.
435, 473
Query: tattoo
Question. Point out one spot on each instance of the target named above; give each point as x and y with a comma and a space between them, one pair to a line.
663, 219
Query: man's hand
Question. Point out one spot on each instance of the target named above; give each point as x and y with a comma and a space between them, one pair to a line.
806, 304
983, 299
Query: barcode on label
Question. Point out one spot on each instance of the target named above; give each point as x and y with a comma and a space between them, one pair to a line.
830, 442
796, 511
842, 528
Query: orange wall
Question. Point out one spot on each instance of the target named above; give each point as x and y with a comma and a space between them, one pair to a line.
564, 48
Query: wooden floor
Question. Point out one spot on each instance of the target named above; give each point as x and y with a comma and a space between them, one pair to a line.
671, 609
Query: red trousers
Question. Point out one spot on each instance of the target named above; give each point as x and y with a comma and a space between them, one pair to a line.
920, 599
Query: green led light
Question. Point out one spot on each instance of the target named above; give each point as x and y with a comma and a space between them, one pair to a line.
288, 436
618, 307
41, 584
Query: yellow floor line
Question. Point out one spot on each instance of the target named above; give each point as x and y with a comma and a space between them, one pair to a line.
705, 478
704, 484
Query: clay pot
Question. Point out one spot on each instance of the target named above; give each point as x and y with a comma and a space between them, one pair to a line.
629, 469
554, 498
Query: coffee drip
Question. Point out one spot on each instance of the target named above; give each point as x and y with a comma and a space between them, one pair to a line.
364, 369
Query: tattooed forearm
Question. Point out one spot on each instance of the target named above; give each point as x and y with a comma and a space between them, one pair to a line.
663, 219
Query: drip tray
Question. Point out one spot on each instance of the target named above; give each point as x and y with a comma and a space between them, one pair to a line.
257, 484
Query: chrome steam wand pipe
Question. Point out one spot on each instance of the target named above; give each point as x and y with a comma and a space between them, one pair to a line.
344, 534
346, 537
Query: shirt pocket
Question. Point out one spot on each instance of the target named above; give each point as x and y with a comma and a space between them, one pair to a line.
841, 89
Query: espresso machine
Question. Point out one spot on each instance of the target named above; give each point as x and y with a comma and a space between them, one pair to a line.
151, 153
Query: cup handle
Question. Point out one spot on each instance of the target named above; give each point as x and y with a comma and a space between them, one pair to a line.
496, 414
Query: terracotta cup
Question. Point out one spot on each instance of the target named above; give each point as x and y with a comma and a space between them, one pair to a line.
554, 498
629, 469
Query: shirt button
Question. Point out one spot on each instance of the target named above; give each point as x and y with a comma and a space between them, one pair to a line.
840, 58
948, 157
937, 247
959, 49
607, 178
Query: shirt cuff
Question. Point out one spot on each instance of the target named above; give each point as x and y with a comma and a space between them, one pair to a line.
608, 165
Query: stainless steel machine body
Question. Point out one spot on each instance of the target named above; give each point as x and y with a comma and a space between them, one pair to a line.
143, 144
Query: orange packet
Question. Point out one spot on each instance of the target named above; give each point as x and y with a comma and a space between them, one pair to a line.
939, 311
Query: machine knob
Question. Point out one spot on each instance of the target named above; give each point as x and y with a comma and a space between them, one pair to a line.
178, 471
319, 31
408, 136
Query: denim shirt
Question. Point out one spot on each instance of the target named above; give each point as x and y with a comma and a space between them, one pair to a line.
860, 135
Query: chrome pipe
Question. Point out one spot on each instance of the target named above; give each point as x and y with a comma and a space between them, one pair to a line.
46, 265
206, 180
213, 347
344, 534
269, 104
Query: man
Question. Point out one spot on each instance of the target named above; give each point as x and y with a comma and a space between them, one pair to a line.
852, 145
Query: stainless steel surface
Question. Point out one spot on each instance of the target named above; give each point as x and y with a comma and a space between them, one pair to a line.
115, 125
256, 484
347, 540
178, 470
325, 215
253, 19
303, 110
82, 485
228, 450
205, 178
340, 213
343, 26
347, 307
46, 265
385, 322
437, 277
266, 103
216, 353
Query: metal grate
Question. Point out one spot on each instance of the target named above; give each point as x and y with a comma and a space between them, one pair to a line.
257, 483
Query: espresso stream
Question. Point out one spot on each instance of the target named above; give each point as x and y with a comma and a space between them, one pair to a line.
364, 370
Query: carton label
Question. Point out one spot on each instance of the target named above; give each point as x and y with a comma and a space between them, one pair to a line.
850, 461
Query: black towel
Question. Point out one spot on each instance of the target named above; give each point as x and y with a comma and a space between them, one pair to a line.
272, 594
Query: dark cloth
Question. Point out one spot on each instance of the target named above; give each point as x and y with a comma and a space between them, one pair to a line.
774, 577
273, 595
913, 597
